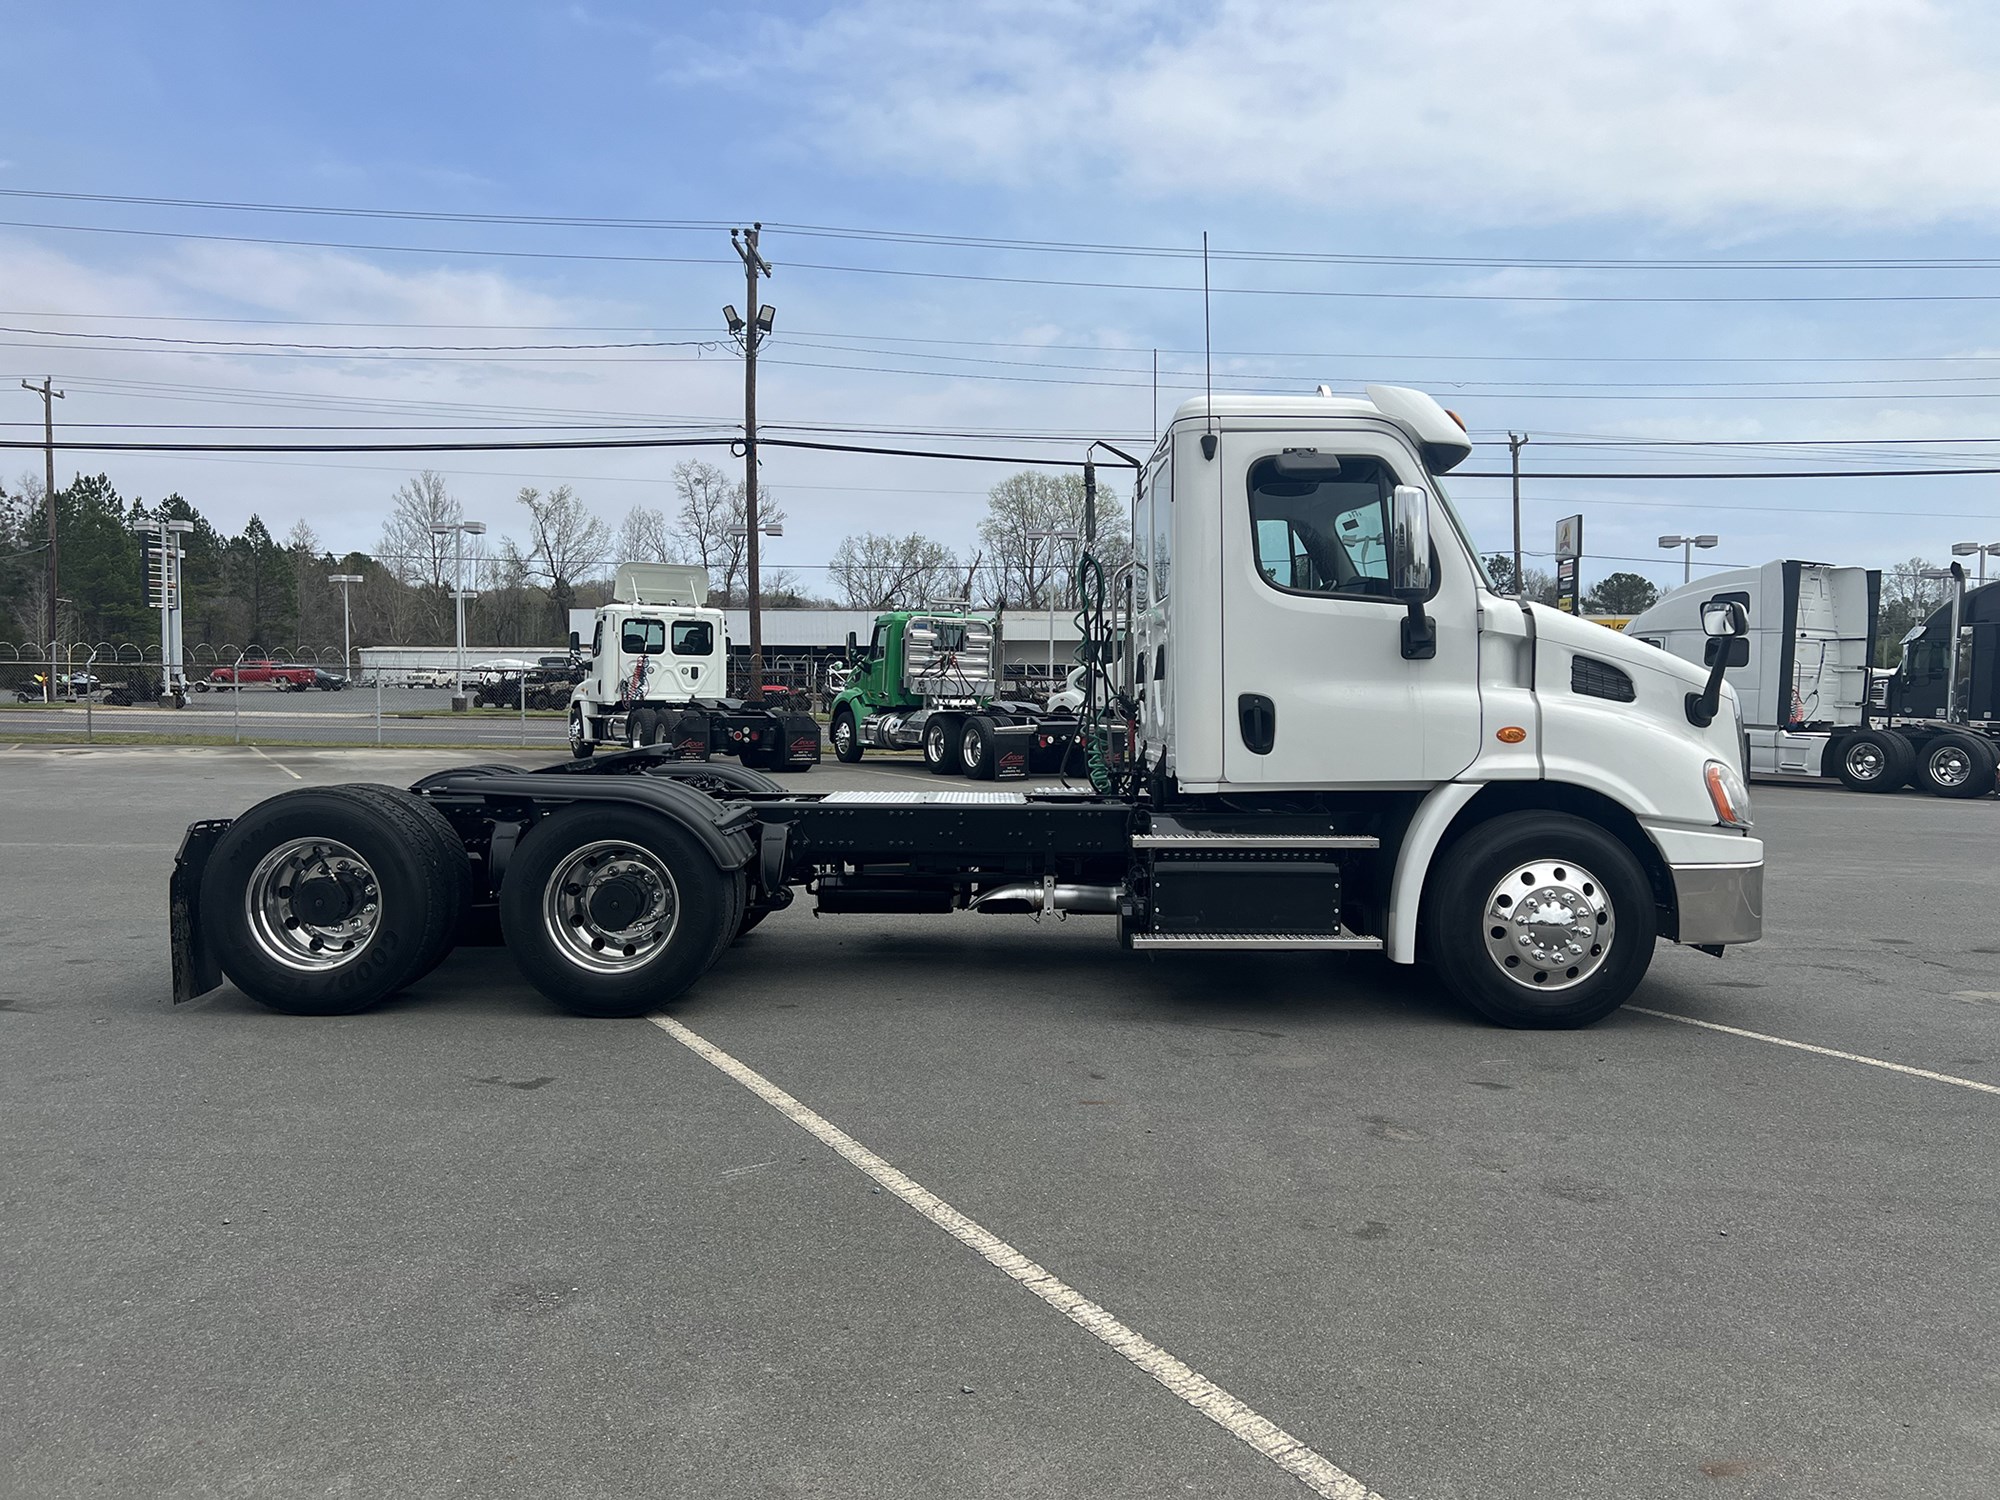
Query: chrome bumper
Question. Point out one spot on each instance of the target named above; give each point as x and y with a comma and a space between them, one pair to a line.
1719, 903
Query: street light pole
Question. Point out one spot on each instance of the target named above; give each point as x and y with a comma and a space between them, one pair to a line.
1981, 550
49, 397
1687, 544
461, 529
346, 621
750, 330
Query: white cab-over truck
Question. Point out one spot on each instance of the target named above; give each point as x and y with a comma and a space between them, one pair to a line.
658, 674
1341, 739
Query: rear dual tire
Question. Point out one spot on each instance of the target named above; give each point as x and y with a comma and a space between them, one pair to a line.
613, 911
1955, 765
326, 900
1874, 760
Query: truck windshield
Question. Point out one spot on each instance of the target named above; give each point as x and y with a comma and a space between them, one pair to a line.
643, 638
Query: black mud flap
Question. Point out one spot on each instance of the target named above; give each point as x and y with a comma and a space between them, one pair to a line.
1013, 751
195, 969
800, 740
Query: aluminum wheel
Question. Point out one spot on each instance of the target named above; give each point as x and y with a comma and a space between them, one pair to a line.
313, 904
971, 745
937, 743
843, 735
1865, 761
1949, 766
1549, 925
610, 906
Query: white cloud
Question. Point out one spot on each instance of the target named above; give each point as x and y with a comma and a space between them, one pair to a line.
1705, 112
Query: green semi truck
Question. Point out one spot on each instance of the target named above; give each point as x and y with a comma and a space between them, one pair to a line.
932, 679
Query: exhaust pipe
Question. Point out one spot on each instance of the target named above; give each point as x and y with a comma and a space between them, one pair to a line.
1039, 898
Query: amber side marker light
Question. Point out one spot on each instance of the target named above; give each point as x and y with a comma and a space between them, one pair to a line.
1512, 734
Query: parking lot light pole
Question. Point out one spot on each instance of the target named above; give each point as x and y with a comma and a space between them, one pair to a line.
346, 620
462, 530
1687, 544
1981, 550
1064, 535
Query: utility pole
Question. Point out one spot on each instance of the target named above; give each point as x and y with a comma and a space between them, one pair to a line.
1515, 442
750, 330
49, 397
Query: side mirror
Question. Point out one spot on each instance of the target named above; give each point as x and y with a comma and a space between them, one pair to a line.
1410, 567
1725, 620
853, 645
1724, 617
575, 641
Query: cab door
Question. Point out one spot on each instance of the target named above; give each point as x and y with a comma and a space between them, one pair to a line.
1317, 691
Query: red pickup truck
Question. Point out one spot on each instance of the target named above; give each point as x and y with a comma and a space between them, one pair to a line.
253, 673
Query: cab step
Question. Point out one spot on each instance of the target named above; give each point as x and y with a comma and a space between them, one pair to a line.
1203, 839
1350, 942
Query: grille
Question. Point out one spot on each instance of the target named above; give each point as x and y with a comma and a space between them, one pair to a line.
1599, 679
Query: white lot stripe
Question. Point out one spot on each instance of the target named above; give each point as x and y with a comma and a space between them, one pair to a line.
1316, 1473
1778, 1041
286, 769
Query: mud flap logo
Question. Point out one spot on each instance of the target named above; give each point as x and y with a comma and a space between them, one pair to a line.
805, 747
691, 749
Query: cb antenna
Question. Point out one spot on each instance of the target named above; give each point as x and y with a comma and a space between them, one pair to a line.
1208, 440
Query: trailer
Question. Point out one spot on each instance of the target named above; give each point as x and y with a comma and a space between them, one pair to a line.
656, 672
1815, 706
929, 680
1346, 743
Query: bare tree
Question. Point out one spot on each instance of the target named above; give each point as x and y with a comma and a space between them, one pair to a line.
1032, 572
709, 524
879, 571
646, 535
414, 555
565, 544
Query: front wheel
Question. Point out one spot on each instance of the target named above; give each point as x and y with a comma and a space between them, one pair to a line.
1542, 920
611, 911
846, 737
1955, 765
580, 744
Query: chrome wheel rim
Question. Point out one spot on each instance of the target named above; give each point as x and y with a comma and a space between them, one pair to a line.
1865, 761
1950, 766
972, 746
313, 905
934, 744
1548, 925
610, 906
843, 734
576, 730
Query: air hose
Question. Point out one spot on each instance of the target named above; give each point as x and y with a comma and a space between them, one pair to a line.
1097, 705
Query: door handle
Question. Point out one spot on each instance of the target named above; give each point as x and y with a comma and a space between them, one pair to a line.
1257, 717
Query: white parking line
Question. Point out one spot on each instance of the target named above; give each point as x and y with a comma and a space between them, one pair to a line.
1778, 1041
285, 768
1311, 1469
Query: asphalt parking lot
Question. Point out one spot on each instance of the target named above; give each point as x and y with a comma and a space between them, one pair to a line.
464, 1244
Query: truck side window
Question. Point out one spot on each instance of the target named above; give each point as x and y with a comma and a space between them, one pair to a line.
1327, 536
643, 638
875, 644
694, 638
597, 640
1159, 513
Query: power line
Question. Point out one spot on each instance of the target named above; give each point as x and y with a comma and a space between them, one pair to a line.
1061, 247
1034, 281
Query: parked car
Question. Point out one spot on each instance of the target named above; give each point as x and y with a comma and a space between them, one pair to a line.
258, 673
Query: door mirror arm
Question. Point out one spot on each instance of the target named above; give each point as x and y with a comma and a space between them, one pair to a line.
1727, 620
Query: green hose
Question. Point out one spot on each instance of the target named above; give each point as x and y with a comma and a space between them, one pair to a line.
1097, 724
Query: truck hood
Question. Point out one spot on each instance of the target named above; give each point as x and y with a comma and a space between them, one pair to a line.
1619, 649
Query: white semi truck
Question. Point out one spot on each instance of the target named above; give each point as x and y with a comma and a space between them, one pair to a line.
1815, 707
658, 674
1342, 741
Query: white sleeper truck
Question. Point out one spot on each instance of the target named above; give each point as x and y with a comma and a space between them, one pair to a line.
1341, 739
658, 674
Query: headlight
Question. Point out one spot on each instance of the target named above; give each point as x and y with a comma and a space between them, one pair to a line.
1730, 796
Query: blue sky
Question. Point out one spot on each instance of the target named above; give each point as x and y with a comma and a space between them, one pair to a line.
1495, 136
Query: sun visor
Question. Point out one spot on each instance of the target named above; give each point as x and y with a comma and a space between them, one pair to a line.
1444, 441
660, 583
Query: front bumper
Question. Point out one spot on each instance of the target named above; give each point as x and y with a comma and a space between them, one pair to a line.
1719, 904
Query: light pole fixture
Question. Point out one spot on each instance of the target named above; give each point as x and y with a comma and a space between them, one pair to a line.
1064, 534
346, 620
165, 570
463, 529
1982, 550
1687, 544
